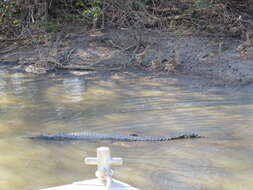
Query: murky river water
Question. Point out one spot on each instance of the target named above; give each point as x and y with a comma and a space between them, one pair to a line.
32, 105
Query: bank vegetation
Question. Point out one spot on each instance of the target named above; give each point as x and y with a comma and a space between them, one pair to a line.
219, 17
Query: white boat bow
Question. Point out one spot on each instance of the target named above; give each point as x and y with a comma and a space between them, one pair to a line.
104, 180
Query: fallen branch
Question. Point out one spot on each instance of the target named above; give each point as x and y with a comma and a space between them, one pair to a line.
9, 50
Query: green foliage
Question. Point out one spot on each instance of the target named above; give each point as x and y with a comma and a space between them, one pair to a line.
93, 12
17, 14
92, 8
9, 17
51, 27
202, 5
80, 4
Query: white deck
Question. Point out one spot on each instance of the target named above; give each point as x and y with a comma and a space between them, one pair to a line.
93, 184
104, 173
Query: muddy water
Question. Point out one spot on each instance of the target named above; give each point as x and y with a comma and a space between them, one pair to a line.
51, 104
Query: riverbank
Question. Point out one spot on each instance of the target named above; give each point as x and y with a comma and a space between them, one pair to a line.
218, 61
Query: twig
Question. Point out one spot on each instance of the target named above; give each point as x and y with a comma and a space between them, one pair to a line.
11, 40
128, 48
122, 48
75, 67
9, 50
133, 54
220, 48
115, 45
70, 53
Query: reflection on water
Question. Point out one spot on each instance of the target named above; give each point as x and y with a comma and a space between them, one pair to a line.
50, 104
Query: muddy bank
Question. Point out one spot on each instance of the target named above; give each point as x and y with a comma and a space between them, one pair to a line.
218, 61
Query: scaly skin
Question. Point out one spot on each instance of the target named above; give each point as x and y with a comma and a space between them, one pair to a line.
110, 137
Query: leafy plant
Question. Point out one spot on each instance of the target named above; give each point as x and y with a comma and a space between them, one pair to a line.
92, 8
9, 20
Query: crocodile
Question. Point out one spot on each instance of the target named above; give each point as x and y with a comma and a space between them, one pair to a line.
109, 137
